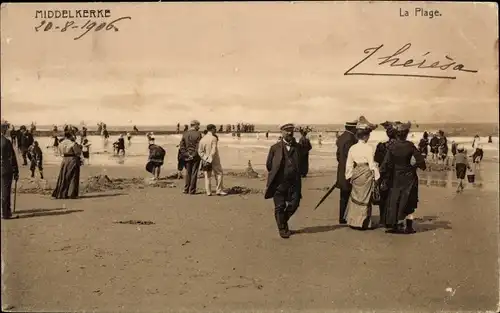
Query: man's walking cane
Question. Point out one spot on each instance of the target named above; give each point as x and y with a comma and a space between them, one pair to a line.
15, 196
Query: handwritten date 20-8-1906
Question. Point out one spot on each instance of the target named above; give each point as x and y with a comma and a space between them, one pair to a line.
86, 27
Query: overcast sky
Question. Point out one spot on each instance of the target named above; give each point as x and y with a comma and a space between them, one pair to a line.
252, 62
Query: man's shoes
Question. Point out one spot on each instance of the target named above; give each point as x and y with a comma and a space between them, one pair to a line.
222, 193
284, 233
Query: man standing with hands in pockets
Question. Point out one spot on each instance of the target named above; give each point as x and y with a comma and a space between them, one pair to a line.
10, 171
210, 160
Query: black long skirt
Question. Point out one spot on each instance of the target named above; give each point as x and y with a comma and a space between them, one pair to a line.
68, 181
402, 199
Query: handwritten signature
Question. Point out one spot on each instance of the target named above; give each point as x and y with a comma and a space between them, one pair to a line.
87, 27
393, 60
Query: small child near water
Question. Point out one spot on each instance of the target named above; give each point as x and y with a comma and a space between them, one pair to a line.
86, 150
461, 166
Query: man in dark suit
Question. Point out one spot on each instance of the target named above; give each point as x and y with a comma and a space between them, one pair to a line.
10, 170
344, 142
284, 180
188, 149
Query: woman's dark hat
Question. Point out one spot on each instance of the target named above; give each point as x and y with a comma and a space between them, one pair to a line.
364, 124
403, 126
387, 125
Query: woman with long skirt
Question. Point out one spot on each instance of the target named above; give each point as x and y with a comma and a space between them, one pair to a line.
402, 160
68, 181
363, 173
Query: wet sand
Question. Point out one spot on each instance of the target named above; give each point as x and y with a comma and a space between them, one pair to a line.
225, 253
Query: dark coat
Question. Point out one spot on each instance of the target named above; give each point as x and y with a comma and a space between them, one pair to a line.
189, 145
8, 159
403, 194
273, 164
344, 143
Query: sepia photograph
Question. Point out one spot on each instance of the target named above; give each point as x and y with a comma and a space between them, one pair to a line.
300, 156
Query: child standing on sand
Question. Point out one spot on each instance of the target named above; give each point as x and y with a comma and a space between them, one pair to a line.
461, 166
36, 157
86, 150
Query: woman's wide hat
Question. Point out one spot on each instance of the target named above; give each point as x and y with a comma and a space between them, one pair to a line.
403, 126
364, 124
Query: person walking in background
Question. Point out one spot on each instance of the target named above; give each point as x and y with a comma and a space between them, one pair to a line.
284, 182
210, 161
476, 141
434, 145
120, 145
36, 159
403, 194
9, 170
344, 143
267, 135
478, 155
189, 151
129, 138
461, 166
362, 172
423, 145
68, 181
453, 152
443, 147
305, 145
385, 180
180, 163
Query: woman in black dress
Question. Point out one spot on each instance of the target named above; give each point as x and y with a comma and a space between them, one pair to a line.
402, 160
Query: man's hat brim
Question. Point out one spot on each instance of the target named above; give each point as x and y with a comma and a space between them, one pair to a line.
288, 126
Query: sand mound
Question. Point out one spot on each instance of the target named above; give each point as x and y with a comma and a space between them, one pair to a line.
34, 186
98, 183
104, 183
239, 190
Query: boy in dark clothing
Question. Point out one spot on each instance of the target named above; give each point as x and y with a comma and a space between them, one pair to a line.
461, 166
477, 157
36, 157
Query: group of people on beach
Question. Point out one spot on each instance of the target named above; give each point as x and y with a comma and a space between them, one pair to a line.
385, 176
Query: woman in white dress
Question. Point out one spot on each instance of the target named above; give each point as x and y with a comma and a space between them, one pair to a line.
363, 173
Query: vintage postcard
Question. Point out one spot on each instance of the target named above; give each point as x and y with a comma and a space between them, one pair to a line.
249, 157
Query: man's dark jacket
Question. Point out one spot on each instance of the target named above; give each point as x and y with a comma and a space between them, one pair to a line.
8, 159
344, 143
275, 159
189, 144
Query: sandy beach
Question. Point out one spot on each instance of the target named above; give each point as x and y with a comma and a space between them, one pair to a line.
129, 245
223, 253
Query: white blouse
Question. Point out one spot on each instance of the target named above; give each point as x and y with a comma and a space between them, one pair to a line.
361, 153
